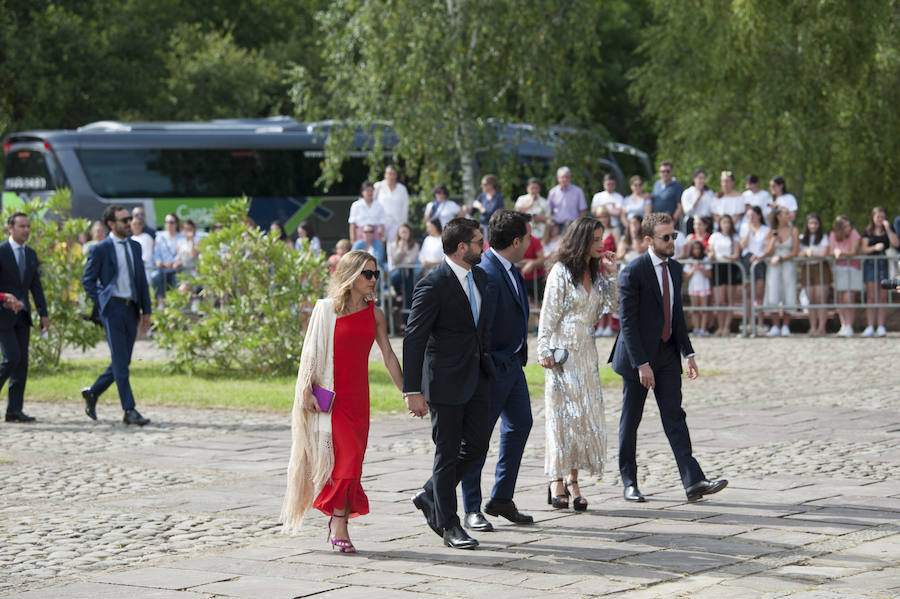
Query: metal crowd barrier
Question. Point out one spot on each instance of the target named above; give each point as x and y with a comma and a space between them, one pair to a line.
825, 271
739, 304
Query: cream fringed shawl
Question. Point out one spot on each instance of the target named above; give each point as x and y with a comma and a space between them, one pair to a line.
312, 454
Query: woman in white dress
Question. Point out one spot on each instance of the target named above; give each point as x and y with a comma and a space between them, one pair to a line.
782, 246
575, 297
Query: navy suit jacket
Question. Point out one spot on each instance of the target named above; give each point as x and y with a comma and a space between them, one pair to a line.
444, 350
641, 316
10, 282
102, 269
507, 314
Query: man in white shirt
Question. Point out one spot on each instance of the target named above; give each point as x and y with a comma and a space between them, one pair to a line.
537, 206
366, 211
610, 199
754, 196
394, 198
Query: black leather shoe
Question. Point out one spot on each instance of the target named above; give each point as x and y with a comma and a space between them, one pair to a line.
456, 538
423, 501
506, 508
90, 403
705, 487
19, 417
134, 417
632, 494
477, 521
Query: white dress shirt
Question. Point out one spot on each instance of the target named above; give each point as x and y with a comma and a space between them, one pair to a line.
657, 268
123, 280
461, 273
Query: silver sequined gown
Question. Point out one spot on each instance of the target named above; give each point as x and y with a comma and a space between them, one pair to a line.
575, 421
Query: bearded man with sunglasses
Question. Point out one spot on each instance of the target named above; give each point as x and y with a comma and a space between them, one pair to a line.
114, 279
647, 354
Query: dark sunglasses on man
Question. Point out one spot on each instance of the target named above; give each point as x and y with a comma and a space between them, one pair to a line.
667, 237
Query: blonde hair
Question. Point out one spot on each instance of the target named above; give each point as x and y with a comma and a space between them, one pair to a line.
345, 274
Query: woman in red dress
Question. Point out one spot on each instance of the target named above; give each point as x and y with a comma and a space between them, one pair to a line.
328, 448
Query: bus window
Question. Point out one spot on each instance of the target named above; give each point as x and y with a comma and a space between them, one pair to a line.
26, 171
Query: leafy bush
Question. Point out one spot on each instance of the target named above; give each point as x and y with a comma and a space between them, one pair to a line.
251, 302
54, 236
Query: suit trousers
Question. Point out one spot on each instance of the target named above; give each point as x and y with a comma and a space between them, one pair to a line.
14, 343
510, 403
120, 321
460, 433
667, 375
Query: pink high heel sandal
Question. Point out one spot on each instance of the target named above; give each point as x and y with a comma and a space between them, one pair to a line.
342, 545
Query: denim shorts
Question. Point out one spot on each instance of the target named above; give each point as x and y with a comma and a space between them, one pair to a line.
875, 270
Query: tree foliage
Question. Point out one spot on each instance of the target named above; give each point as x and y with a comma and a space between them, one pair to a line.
254, 299
55, 240
446, 73
807, 90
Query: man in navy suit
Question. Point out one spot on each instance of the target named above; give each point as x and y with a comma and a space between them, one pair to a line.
18, 276
447, 370
114, 278
507, 317
647, 353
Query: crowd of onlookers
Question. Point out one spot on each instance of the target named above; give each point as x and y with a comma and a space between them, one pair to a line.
726, 238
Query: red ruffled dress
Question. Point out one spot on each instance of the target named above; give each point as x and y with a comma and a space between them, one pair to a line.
353, 338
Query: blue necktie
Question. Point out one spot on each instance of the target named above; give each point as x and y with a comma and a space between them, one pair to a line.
472, 303
20, 258
131, 280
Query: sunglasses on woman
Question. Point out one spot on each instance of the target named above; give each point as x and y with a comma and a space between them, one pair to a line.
370, 274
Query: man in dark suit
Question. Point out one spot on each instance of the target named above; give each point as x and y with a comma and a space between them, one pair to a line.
18, 276
647, 352
507, 317
446, 364
114, 278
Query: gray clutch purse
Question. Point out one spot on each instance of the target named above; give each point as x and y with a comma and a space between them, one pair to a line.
560, 355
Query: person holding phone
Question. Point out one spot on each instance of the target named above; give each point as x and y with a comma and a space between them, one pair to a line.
328, 446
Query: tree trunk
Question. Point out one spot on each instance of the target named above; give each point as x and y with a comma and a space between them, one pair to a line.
466, 162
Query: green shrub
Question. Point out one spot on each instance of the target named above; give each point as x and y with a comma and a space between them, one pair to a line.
54, 236
254, 298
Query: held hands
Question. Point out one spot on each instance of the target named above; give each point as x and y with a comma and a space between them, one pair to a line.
12, 302
415, 403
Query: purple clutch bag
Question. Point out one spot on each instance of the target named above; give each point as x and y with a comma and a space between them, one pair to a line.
324, 398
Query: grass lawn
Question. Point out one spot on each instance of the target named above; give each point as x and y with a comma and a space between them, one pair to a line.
153, 386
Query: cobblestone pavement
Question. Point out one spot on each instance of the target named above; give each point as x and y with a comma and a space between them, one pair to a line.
806, 430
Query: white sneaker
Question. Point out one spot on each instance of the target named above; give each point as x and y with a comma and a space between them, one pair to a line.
785, 331
774, 332
608, 332
868, 332
846, 331
880, 331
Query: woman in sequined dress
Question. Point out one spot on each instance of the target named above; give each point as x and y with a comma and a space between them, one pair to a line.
575, 297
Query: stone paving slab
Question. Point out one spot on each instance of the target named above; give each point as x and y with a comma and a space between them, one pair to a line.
188, 506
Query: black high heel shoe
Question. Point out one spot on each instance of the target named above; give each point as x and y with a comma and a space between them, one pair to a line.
559, 502
579, 504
